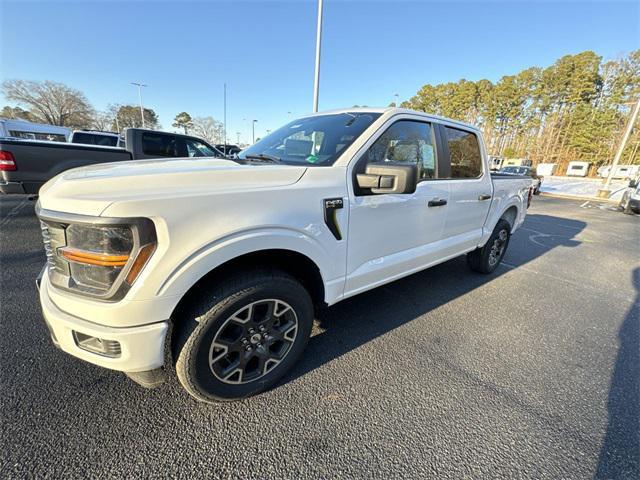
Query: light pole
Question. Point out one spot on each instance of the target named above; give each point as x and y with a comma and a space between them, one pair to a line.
238, 135
253, 131
316, 82
397, 99
605, 191
140, 85
225, 118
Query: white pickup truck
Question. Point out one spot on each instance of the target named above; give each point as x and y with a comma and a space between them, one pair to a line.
216, 266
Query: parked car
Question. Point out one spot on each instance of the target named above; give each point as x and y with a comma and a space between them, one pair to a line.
235, 255
529, 172
95, 137
25, 165
228, 150
630, 201
16, 128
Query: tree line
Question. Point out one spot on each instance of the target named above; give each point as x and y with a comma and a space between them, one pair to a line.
575, 109
58, 104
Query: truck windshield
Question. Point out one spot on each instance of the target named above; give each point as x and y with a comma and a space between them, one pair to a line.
315, 140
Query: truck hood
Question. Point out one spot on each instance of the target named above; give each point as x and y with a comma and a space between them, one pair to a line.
90, 190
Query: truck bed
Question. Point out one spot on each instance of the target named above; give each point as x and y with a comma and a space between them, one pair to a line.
37, 161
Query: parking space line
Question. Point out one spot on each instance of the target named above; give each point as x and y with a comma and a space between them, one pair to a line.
14, 211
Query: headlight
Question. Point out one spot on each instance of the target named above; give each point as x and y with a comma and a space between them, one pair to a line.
100, 257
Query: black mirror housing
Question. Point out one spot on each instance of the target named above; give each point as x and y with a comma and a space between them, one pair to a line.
389, 177
633, 183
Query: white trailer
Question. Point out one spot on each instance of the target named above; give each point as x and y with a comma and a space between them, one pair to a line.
578, 169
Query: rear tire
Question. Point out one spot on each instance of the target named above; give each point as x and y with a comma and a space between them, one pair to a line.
625, 204
240, 338
486, 259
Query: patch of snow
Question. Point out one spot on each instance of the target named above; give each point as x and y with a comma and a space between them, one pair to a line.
580, 187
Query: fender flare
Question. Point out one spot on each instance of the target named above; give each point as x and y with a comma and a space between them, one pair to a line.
222, 250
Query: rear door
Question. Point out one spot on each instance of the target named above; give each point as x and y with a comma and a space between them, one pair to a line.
391, 235
470, 187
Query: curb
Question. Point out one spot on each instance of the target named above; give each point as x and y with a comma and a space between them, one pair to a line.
579, 197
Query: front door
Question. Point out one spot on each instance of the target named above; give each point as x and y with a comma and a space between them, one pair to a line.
391, 235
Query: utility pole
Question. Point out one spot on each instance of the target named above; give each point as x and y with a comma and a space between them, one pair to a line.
316, 82
605, 191
140, 85
397, 102
253, 131
225, 118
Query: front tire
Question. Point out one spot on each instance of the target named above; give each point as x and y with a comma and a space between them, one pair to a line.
243, 336
487, 258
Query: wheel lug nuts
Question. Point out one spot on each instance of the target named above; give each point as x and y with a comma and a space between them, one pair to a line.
248, 348
244, 341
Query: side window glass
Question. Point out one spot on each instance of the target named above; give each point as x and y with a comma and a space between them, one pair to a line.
159, 145
406, 141
464, 152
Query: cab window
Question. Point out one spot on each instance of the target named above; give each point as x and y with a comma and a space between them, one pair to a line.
406, 141
464, 153
160, 145
196, 148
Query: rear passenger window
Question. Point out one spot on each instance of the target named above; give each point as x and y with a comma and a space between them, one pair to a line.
464, 152
159, 145
406, 141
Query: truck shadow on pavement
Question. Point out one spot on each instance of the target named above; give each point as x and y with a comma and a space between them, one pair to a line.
358, 320
620, 454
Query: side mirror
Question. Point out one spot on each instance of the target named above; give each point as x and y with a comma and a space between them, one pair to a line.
389, 178
633, 183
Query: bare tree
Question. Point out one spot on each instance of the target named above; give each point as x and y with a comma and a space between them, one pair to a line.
208, 128
102, 121
50, 102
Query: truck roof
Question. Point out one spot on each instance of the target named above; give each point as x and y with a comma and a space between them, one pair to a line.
394, 111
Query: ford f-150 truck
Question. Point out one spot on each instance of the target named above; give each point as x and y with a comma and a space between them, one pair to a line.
25, 165
216, 266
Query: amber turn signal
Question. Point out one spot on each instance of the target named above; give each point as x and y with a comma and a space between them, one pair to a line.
93, 258
140, 261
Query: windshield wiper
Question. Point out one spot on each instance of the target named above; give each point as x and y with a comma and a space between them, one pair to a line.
263, 157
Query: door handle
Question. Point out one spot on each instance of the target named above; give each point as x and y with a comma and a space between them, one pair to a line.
484, 196
437, 202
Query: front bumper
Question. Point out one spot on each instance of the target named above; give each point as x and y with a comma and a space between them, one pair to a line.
141, 347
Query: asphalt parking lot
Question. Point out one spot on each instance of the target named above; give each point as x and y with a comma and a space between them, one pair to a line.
533, 371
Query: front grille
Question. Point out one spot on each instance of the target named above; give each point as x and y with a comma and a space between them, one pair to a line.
48, 250
53, 236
